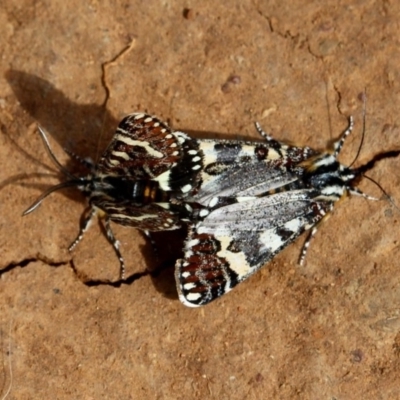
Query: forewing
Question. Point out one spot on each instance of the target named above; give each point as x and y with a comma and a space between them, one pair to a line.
145, 148
245, 169
234, 241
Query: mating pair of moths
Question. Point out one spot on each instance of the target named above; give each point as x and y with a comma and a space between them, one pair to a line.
243, 201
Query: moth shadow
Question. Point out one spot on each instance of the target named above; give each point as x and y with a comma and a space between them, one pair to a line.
86, 130
83, 129
78, 126
160, 254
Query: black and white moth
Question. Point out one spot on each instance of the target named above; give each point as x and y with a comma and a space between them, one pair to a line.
144, 166
258, 198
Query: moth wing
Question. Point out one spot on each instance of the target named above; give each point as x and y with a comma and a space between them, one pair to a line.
148, 217
242, 169
253, 178
258, 214
145, 148
233, 242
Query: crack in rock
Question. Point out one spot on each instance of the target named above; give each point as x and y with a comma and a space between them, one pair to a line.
109, 63
24, 263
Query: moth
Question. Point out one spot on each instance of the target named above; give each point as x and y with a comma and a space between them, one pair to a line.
145, 165
257, 198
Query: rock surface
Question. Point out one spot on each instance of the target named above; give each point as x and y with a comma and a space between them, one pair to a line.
327, 330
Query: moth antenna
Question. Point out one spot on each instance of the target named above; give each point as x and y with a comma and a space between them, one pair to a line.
39, 200
364, 114
360, 171
87, 163
52, 156
74, 181
383, 191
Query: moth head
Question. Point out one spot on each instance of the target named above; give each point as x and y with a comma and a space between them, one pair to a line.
82, 183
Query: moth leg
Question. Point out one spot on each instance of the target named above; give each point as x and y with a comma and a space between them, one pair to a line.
337, 146
152, 242
325, 214
306, 244
278, 146
84, 226
264, 134
115, 244
357, 192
